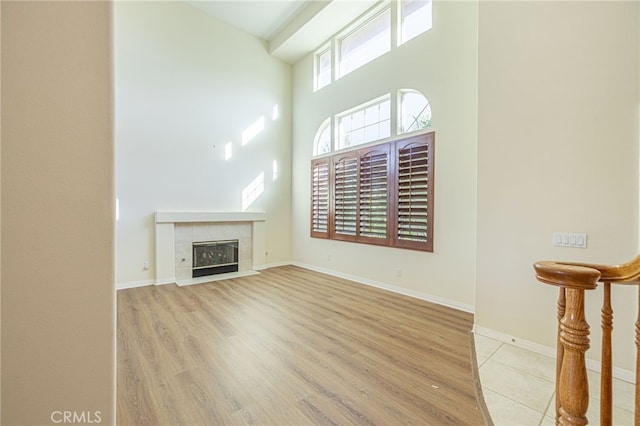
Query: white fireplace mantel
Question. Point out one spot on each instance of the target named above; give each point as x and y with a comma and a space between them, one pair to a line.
165, 237
204, 217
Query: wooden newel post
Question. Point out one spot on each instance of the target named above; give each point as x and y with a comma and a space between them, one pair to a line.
572, 388
574, 337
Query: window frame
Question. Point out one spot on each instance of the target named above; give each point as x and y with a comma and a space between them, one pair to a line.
401, 111
358, 25
402, 37
340, 137
396, 38
418, 211
326, 48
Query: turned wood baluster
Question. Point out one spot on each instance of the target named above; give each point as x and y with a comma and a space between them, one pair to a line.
572, 385
574, 336
637, 401
606, 390
559, 349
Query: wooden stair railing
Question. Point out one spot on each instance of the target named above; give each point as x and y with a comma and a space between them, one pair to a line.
572, 388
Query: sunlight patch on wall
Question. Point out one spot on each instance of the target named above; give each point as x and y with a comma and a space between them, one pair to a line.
253, 130
274, 169
275, 114
228, 151
117, 208
252, 191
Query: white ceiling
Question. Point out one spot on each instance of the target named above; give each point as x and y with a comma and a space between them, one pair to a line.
292, 28
262, 18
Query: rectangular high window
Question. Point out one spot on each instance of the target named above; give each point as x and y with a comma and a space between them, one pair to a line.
415, 18
370, 37
364, 43
380, 194
323, 68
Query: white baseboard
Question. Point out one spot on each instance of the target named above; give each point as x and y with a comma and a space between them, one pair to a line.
515, 341
389, 287
217, 277
163, 281
593, 365
273, 265
134, 284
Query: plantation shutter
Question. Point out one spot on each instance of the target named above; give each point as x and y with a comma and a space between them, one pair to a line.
320, 198
414, 193
345, 197
374, 194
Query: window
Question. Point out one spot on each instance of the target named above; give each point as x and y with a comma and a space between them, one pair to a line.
365, 123
370, 37
365, 43
415, 18
380, 194
322, 143
371, 122
323, 67
415, 111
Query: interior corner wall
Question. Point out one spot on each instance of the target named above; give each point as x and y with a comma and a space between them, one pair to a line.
188, 87
441, 64
58, 295
557, 152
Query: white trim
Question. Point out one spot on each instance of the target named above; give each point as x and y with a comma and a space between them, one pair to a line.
134, 284
217, 277
179, 217
593, 365
273, 265
395, 289
515, 341
165, 281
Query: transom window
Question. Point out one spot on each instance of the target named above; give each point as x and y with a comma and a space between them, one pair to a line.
367, 123
322, 143
415, 18
323, 67
369, 37
415, 111
365, 43
371, 121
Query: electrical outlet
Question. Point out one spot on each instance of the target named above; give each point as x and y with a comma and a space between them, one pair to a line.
398, 272
145, 265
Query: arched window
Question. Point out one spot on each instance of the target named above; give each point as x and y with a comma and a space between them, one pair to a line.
322, 142
414, 111
371, 121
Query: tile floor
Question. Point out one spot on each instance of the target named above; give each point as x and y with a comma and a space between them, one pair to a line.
518, 387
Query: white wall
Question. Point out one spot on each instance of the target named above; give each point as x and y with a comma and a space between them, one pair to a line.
442, 65
186, 84
58, 236
557, 151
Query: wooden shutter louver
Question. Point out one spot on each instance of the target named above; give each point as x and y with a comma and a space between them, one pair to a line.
345, 197
320, 199
374, 194
414, 214
379, 194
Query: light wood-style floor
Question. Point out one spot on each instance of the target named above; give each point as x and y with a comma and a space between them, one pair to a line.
291, 347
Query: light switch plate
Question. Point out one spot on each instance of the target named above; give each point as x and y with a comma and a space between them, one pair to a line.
570, 239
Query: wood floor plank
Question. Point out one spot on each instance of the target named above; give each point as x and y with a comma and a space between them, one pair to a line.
291, 346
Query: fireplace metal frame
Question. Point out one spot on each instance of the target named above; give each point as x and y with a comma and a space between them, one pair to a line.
218, 268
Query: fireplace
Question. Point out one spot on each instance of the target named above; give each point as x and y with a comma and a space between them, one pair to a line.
214, 257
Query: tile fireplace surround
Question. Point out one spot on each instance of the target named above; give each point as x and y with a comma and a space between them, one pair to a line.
175, 231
